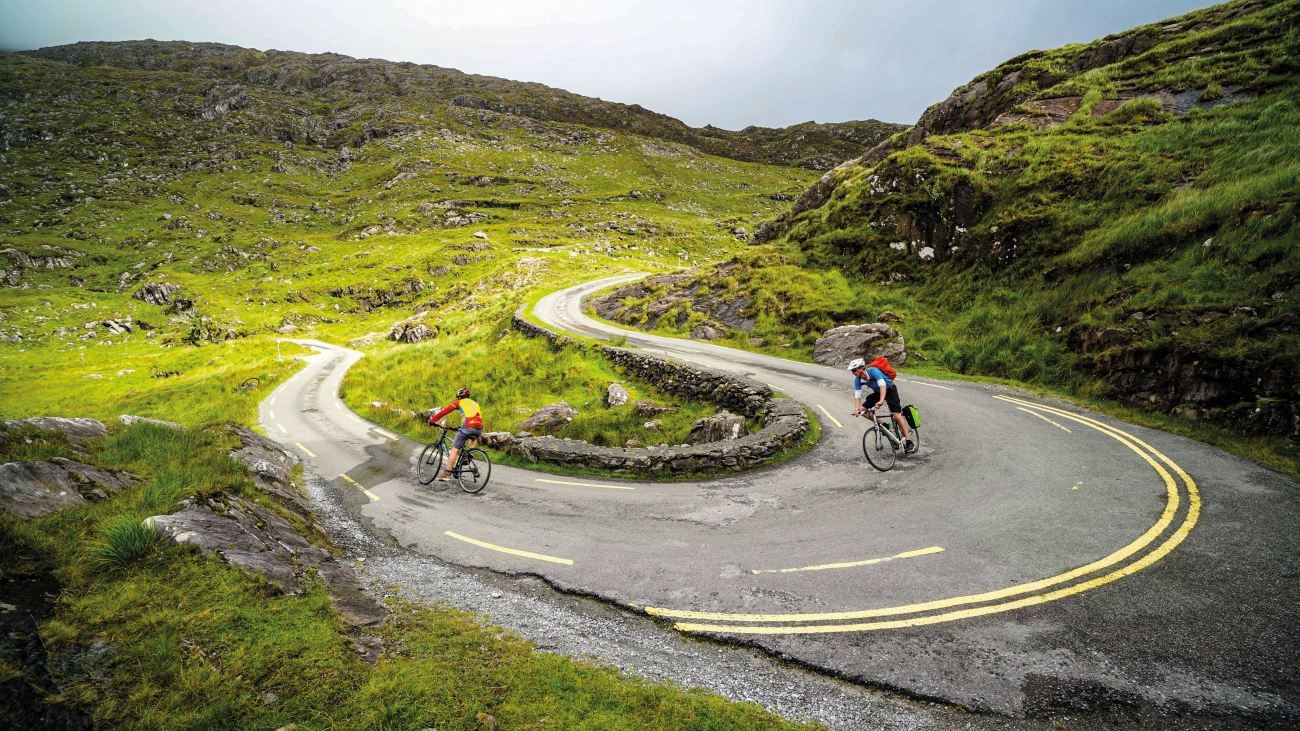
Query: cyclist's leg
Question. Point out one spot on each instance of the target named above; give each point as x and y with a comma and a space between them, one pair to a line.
457, 444
896, 411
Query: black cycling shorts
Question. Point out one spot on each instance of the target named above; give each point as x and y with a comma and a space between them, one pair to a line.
891, 400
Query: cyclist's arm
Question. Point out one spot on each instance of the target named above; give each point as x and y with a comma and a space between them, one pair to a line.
441, 413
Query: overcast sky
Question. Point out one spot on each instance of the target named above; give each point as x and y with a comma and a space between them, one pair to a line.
730, 63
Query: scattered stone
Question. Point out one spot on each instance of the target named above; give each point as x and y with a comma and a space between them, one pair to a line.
650, 408
616, 395
550, 416
128, 420
705, 332
157, 293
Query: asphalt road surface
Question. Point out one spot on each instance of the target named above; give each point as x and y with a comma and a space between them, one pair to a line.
1032, 559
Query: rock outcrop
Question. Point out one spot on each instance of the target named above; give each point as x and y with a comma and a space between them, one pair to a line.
78, 431
40, 488
261, 541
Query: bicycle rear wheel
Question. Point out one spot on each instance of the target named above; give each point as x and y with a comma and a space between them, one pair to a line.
430, 461
879, 449
474, 470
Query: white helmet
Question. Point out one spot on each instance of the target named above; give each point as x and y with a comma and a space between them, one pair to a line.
857, 363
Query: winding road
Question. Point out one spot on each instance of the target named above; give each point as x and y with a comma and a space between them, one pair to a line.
1033, 558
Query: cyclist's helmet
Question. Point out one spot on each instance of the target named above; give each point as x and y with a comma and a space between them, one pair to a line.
463, 393
857, 363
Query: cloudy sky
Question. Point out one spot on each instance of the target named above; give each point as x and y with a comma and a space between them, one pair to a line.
729, 63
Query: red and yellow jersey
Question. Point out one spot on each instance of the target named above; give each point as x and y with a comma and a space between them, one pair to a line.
469, 411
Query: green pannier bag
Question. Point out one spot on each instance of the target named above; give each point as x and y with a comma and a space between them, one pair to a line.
913, 416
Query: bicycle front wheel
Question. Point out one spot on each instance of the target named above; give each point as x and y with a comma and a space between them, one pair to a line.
880, 450
429, 463
474, 470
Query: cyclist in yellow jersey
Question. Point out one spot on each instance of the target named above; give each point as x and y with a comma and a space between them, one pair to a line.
470, 428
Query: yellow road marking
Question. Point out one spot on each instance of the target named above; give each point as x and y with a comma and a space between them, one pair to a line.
384, 433
271, 413
922, 383
1166, 518
852, 564
282, 429
373, 497
585, 484
308, 451
1044, 418
512, 551
828, 416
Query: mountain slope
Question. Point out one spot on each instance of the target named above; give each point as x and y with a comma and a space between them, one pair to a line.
347, 83
1117, 218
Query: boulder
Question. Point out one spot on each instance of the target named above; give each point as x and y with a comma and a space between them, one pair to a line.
550, 416
496, 439
36, 489
837, 346
616, 395
721, 426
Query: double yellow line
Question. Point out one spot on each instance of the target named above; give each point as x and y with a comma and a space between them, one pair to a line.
1117, 565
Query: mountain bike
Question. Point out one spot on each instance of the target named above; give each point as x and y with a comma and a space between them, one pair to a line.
884, 438
471, 471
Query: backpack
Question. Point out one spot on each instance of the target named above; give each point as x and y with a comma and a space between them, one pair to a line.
882, 363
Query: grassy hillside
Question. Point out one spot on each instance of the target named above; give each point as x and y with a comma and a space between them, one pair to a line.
1117, 220
119, 178
338, 87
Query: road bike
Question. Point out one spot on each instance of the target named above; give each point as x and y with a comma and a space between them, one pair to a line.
472, 468
884, 438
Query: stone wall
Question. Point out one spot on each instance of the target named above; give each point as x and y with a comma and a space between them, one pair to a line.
784, 420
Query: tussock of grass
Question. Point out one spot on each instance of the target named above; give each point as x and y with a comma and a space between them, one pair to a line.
122, 542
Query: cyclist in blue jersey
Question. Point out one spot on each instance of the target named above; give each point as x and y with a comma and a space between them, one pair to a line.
881, 388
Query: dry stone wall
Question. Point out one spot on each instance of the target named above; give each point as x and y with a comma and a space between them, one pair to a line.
784, 420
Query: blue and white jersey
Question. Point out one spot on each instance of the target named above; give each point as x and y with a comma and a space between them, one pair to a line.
875, 380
